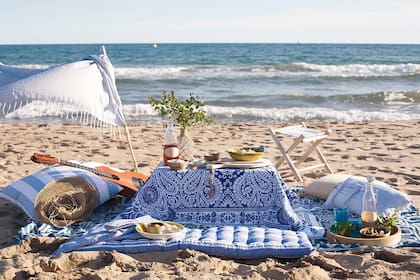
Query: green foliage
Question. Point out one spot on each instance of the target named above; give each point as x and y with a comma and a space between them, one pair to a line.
389, 219
186, 113
344, 228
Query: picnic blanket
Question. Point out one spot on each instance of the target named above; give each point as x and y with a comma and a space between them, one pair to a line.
129, 241
314, 220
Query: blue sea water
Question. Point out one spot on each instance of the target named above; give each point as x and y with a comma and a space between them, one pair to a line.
251, 83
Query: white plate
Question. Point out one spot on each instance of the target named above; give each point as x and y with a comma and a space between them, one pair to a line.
142, 229
229, 163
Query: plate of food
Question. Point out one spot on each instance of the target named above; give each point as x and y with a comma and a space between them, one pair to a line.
375, 232
160, 230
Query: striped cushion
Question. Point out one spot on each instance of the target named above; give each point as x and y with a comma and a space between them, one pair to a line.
238, 242
23, 192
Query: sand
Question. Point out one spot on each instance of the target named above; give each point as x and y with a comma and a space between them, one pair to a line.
388, 150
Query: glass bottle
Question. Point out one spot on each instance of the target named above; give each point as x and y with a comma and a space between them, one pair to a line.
186, 146
369, 214
170, 143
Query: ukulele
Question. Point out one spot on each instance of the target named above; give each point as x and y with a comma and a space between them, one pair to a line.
131, 181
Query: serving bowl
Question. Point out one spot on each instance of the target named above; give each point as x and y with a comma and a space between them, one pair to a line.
245, 154
160, 230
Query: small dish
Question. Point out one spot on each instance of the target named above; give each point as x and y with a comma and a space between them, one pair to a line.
177, 164
212, 157
160, 230
375, 232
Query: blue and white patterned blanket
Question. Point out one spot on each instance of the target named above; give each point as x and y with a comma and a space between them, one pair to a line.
220, 197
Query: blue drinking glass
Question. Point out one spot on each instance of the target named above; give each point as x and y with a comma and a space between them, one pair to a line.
341, 218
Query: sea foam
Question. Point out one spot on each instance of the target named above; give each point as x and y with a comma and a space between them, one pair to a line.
282, 70
143, 113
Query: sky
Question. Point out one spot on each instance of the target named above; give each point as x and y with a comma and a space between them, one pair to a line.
212, 21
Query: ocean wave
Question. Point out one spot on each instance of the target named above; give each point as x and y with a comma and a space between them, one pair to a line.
30, 66
363, 70
383, 97
269, 71
297, 114
401, 98
142, 72
143, 113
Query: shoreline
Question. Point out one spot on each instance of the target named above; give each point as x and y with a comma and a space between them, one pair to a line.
40, 112
387, 150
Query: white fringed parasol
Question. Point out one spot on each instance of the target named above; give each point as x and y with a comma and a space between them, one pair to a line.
88, 85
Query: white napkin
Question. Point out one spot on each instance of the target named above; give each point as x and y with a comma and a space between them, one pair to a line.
125, 223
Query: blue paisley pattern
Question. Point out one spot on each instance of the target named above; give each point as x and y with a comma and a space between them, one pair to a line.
237, 196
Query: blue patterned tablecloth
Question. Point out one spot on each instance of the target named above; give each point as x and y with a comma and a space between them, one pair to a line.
223, 196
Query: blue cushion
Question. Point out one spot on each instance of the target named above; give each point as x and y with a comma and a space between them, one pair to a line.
23, 192
350, 193
239, 242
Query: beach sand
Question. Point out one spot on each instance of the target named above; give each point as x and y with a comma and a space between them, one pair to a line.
388, 150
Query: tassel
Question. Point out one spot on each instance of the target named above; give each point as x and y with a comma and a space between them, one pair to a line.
83, 118
91, 121
62, 110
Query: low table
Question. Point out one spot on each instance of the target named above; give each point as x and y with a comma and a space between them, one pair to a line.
221, 196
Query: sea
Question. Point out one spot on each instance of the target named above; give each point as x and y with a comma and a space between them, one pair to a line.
248, 83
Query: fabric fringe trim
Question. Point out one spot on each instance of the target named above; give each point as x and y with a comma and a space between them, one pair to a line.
82, 117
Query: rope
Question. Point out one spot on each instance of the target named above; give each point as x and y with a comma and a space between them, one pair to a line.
65, 208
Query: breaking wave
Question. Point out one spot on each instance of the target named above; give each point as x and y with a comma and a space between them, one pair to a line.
269, 71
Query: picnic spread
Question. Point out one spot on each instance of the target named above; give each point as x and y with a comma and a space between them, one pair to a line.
237, 211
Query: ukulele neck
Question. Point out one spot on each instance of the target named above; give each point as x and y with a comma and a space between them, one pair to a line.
90, 169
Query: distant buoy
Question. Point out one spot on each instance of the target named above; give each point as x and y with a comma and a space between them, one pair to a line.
155, 46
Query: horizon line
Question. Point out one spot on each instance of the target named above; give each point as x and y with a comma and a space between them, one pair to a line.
215, 43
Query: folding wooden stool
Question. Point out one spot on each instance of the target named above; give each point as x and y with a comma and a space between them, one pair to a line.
302, 135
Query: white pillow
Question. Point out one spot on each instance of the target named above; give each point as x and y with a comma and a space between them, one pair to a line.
322, 187
349, 194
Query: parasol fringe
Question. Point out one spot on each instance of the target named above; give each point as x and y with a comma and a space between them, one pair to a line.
83, 120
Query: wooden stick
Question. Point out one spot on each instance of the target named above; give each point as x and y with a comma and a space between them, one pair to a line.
127, 134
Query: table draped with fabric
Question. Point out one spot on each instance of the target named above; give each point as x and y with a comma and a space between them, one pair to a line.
222, 196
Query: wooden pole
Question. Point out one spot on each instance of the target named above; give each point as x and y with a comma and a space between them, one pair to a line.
127, 134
